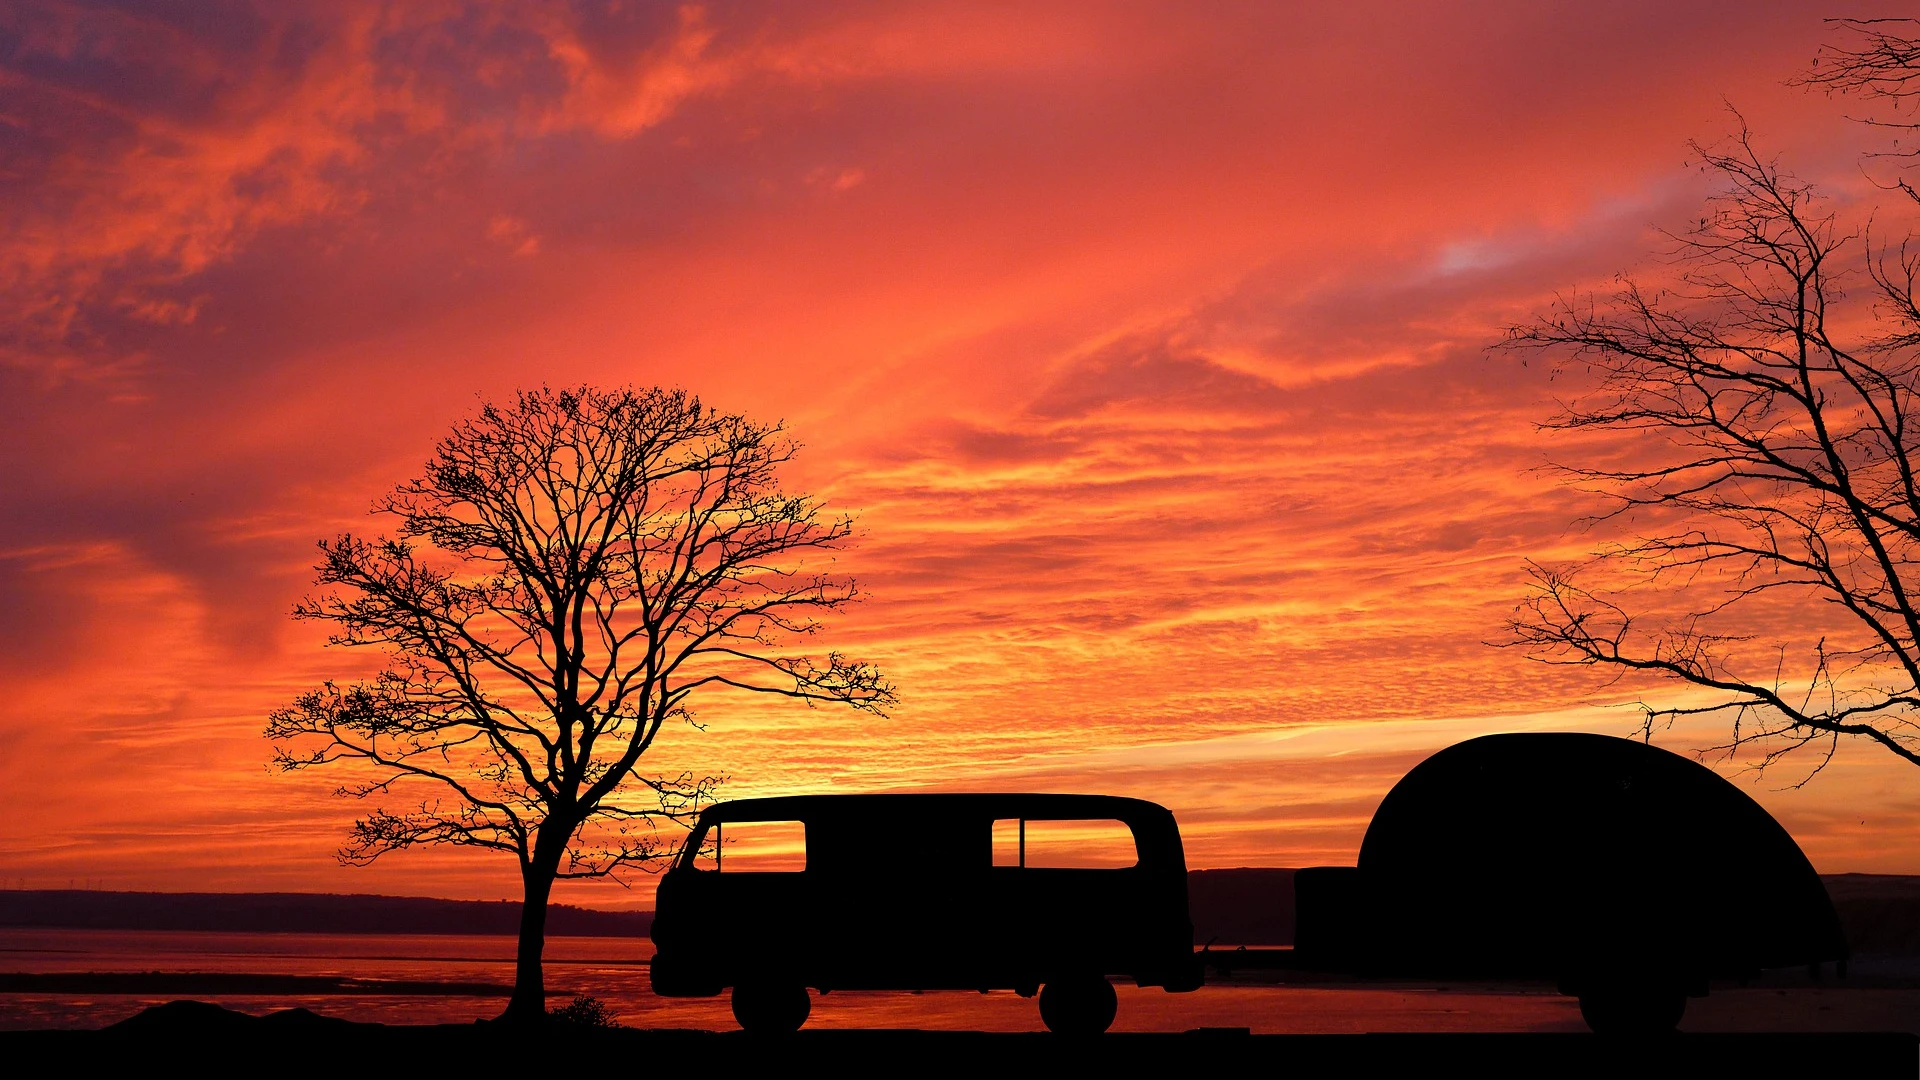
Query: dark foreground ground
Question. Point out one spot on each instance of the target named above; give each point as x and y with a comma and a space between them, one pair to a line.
200, 1039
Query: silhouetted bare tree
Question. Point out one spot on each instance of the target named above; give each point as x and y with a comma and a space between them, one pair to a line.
1778, 459
571, 571
1877, 63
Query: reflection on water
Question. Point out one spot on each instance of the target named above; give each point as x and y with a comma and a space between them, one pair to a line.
614, 970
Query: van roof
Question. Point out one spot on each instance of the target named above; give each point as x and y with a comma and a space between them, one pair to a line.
1031, 805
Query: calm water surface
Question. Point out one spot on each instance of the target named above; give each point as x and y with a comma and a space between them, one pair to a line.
614, 970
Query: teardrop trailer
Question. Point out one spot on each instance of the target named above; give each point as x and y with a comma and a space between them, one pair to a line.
1626, 875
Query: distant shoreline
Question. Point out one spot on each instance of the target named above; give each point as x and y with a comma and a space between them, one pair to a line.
310, 913
215, 983
1240, 905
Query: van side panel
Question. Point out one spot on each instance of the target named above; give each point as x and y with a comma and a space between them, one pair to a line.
899, 892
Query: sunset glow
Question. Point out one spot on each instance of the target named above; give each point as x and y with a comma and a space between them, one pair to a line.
1147, 342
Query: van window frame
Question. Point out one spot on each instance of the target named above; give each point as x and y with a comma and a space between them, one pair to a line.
1155, 835
1133, 835
697, 839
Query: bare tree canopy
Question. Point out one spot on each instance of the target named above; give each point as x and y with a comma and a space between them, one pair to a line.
571, 573
1878, 63
1777, 425
1875, 62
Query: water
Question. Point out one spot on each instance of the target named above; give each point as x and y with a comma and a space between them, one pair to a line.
614, 970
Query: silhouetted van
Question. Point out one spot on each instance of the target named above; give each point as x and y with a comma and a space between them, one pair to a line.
1031, 893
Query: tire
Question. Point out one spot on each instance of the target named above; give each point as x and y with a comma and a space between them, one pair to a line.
1632, 1010
771, 1008
1078, 1005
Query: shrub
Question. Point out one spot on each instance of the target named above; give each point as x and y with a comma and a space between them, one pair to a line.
584, 1011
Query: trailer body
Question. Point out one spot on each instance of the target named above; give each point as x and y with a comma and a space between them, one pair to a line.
1610, 867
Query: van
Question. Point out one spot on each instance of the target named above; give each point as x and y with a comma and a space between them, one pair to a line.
1046, 894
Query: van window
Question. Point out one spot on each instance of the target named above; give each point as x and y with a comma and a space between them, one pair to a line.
1096, 844
754, 847
1006, 842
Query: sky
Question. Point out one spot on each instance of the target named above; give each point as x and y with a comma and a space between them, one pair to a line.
1148, 343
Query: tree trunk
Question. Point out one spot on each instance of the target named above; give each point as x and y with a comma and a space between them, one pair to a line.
529, 1001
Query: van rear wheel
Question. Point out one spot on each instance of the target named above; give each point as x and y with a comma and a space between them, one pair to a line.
1078, 1005
771, 1008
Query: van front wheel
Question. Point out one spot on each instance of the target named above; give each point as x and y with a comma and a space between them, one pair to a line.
1079, 1005
771, 1008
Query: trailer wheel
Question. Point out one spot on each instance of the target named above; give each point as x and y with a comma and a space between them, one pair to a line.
771, 1008
1632, 1010
1078, 1005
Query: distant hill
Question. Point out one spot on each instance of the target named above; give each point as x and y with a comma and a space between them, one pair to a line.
314, 913
1254, 906
1247, 905
1880, 912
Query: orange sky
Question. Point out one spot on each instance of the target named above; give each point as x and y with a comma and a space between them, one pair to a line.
1148, 341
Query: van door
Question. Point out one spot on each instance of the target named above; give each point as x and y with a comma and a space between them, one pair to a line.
759, 903
1069, 899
